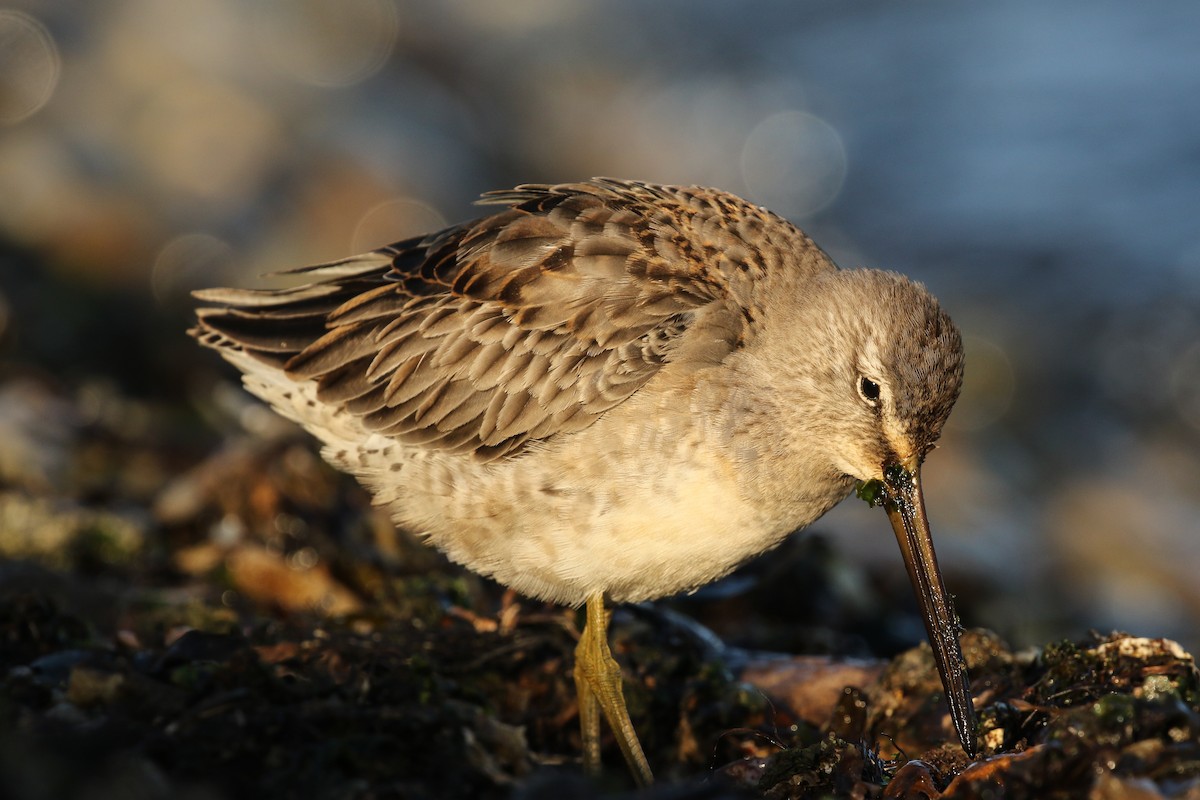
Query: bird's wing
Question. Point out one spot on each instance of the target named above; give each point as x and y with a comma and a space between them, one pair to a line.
532, 322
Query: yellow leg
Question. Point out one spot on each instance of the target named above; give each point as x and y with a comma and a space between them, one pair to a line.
598, 685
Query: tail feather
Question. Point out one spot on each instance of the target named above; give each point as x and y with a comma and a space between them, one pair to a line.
260, 330
273, 325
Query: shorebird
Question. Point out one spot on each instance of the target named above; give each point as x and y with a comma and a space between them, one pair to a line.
614, 390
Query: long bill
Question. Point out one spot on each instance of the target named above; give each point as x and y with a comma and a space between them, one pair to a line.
905, 507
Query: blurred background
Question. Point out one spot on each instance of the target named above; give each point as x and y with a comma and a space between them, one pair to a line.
1037, 166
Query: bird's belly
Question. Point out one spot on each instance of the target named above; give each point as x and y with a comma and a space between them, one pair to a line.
630, 539
644, 507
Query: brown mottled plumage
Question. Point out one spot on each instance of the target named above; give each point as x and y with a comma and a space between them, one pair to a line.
533, 322
613, 389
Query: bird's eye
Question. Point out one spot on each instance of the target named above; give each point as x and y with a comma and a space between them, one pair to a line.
869, 390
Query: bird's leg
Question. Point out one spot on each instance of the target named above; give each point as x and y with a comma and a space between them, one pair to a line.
598, 685
589, 711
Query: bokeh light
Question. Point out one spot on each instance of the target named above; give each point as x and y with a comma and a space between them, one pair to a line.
988, 386
189, 261
794, 162
330, 43
393, 220
29, 66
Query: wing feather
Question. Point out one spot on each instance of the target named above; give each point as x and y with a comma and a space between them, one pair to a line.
516, 327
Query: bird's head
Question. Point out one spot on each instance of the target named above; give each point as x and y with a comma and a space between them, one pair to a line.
884, 364
896, 372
